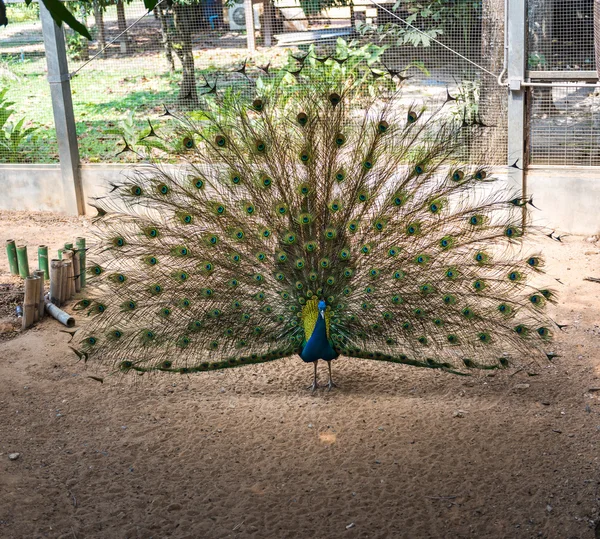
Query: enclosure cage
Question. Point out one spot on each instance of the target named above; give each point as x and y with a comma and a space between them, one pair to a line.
522, 71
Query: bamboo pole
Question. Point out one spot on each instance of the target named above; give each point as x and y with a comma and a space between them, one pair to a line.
64, 286
23, 262
80, 243
43, 261
60, 315
76, 271
41, 275
29, 303
36, 296
60, 254
55, 281
68, 256
70, 284
11, 252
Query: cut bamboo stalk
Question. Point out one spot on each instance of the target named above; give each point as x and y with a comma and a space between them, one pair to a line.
11, 252
23, 262
70, 281
29, 303
76, 271
64, 287
55, 281
80, 243
68, 246
40, 274
61, 316
68, 255
36, 292
60, 254
43, 261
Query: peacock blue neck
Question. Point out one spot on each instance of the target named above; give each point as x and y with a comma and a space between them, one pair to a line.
318, 346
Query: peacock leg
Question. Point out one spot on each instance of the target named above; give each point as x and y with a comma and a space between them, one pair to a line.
331, 383
314, 385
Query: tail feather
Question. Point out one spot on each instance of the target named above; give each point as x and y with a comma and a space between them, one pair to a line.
314, 189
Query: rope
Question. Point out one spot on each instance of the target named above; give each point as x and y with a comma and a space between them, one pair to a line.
112, 41
433, 39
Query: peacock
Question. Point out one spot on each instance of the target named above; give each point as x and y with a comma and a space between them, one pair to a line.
319, 217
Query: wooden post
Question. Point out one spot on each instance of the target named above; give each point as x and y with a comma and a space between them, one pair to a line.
23, 262
29, 303
11, 252
80, 243
55, 281
43, 261
41, 275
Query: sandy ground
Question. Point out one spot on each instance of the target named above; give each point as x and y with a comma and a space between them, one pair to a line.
251, 453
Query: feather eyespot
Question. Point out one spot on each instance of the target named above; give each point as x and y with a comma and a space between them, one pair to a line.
302, 118
221, 141
382, 126
458, 175
258, 105
334, 99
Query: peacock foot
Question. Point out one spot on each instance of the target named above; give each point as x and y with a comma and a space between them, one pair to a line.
313, 387
331, 384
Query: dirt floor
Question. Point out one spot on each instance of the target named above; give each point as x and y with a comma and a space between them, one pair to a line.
395, 452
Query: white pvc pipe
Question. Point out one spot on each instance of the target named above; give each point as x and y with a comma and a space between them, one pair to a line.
63, 317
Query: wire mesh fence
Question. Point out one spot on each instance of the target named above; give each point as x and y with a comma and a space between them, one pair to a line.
173, 56
561, 35
26, 121
565, 126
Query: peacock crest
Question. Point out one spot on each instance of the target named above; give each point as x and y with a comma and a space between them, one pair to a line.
320, 219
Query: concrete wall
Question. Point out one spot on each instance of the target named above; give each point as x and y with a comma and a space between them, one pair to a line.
569, 199
38, 187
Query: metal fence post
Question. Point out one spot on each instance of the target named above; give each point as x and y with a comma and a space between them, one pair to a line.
517, 55
62, 107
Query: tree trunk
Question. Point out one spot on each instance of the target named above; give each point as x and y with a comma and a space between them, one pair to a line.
597, 34
183, 18
166, 37
492, 98
101, 32
122, 23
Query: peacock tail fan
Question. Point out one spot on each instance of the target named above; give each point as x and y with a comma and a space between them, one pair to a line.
313, 190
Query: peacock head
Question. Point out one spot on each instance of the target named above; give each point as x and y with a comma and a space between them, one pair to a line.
322, 307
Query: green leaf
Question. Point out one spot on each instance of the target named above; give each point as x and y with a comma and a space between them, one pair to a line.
150, 4
61, 14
